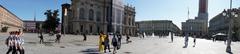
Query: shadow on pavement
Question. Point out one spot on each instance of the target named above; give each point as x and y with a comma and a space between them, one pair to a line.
128, 52
90, 51
31, 42
51, 40
48, 43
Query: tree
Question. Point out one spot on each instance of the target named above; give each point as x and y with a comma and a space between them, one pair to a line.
5, 29
52, 20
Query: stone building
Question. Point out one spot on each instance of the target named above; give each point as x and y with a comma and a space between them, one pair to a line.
220, 24
85, 16
93, 16
9, 20
129, 26
158, 27
193, 27
30, 25
118, 15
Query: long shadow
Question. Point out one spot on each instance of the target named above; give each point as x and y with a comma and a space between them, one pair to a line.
85, 45
229, 52
128, 52
90, 51
48, 43
31, 42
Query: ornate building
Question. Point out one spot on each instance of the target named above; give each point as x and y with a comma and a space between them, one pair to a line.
117, 16
86, 16
9, 20
129, 26
93, 16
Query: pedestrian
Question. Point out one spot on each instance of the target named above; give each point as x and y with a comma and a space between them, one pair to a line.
144, 34
119, 36
84, 36
58, 37
19, 42
101, 41
9, 43
194, 40
14, 42
171, 37
186, 41
114, 43
214, 38
106, 44
41, 38
127, 39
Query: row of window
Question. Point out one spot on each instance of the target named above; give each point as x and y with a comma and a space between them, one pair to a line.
91, 14
7, 17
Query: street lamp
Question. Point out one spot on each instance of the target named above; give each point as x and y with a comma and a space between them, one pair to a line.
229, 14
64, 23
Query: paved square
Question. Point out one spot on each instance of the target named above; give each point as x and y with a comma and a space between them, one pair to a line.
73, 44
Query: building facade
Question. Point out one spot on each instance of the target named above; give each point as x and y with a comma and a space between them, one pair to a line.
118, 15
9, 20
93, 16
199, 25
129, 26
193, 27
158, 27
86, 16
220, 24
30, 25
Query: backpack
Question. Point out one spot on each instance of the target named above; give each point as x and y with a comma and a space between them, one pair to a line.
114, 39
8, 39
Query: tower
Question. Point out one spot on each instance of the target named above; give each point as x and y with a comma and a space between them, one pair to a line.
203, 15
203, 10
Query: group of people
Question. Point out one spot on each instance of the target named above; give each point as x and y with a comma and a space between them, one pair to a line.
104, 42
15, 42
186, 40
58, 37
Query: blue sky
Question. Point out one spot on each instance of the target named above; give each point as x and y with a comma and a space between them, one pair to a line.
175, 10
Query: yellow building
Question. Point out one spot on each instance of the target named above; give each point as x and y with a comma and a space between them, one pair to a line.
9, 20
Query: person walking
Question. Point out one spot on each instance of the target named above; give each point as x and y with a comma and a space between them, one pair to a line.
114, 43
14, 42
119, 36
9, 43
41, 38
106, 43
127, 39
101, 42
58, 37
186, 41
19, 42
84, 36
171, 37
194, 40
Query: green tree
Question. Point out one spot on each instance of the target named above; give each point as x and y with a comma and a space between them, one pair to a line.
52, 20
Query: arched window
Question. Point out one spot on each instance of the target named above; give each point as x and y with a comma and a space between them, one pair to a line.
91, 14
81, 13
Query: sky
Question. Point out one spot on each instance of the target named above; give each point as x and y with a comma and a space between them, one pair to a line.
175, 10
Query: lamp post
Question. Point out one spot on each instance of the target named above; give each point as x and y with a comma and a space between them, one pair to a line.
231, 14
64, 23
